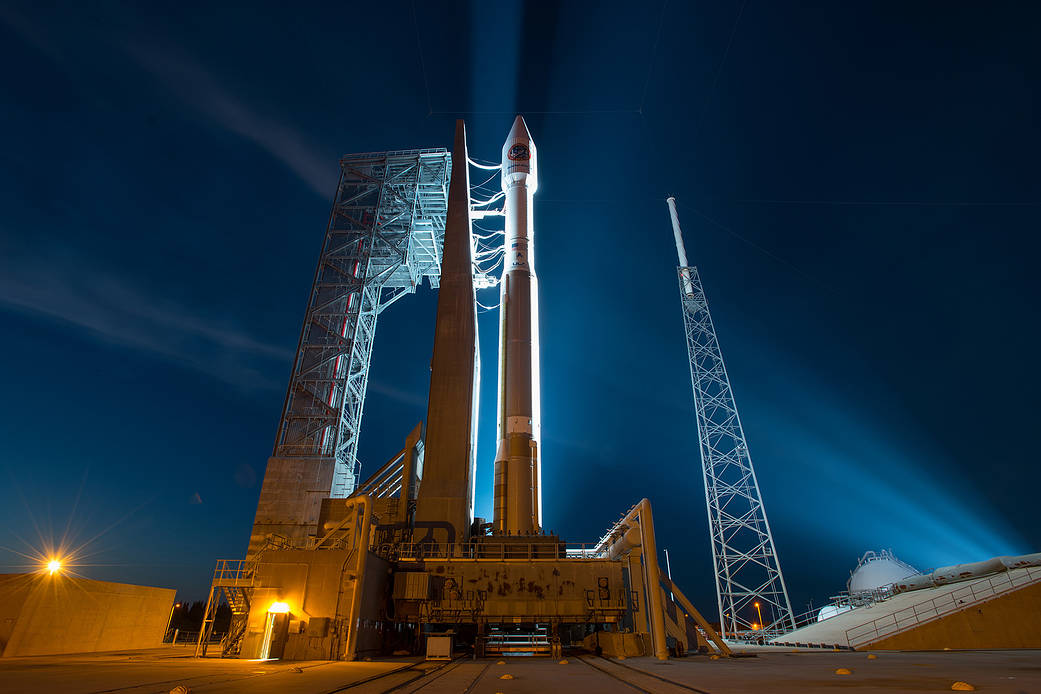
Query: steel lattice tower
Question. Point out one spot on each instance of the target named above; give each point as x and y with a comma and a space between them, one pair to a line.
385, 234
748, 575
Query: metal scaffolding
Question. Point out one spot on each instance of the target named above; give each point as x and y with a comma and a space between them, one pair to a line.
385, 234
750, 590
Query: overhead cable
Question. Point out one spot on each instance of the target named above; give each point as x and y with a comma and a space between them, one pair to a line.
481, 203
486, 167
485, 181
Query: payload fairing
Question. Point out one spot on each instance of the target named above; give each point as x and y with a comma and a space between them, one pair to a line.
518, 474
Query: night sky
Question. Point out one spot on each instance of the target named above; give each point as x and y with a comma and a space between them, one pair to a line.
858, 185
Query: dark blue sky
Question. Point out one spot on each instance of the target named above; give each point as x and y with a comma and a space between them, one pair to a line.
858, 184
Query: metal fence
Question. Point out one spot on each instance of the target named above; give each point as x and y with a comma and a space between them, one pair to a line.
179, 637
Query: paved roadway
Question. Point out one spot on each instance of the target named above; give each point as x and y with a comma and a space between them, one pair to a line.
770, 672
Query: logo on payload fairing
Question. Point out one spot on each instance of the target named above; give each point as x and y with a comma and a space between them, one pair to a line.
519, 152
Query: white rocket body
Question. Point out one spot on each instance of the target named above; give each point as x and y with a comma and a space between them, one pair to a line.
518, 474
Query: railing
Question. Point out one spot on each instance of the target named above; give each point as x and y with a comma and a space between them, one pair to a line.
806, 618
930, 610
757, 636
864, 597
189, 638
517, 643
276, 541
395, 153
490, 551
331, 541
237, 572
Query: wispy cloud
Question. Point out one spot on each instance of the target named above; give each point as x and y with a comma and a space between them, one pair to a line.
393, 393
31, 34
202, 92
112, 309
194, 87
49, 40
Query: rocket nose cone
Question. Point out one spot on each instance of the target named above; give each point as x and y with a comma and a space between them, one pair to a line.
518, 156
519, 131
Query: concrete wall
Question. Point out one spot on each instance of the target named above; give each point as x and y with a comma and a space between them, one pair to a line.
1010, 621
315, 585
14, 591
318, 586
290, 499
614, 644
375, 590
66, 614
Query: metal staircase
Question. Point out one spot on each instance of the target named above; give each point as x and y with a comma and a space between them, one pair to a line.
233, 581
238, 598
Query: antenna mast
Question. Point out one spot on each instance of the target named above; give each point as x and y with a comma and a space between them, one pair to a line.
743, 553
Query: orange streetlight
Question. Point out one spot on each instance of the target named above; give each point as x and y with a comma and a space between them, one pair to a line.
169, 621
759, 612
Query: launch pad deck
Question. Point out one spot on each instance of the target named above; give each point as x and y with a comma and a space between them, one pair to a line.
775, 671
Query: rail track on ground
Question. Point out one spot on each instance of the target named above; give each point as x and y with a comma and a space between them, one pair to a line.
400, 678
416, 677
637, 678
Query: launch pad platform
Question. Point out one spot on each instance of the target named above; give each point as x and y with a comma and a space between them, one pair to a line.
343, 569
776, 671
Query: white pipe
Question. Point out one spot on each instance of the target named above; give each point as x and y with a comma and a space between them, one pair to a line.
668, 572
652, 578
636, 529
680, 250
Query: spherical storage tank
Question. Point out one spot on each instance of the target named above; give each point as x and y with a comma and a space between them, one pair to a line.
829, 611
876, 571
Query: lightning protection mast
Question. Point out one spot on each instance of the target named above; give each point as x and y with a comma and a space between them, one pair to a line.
750, 590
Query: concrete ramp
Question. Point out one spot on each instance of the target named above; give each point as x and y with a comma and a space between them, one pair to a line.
997, 611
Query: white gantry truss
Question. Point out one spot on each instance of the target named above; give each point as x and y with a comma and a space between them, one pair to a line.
753, 600
385, 234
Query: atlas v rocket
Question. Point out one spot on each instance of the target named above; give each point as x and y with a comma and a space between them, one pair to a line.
518, 473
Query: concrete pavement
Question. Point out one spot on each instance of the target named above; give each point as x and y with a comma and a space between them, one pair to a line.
158, 671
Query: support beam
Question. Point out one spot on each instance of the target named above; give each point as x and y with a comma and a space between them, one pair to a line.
712, 634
